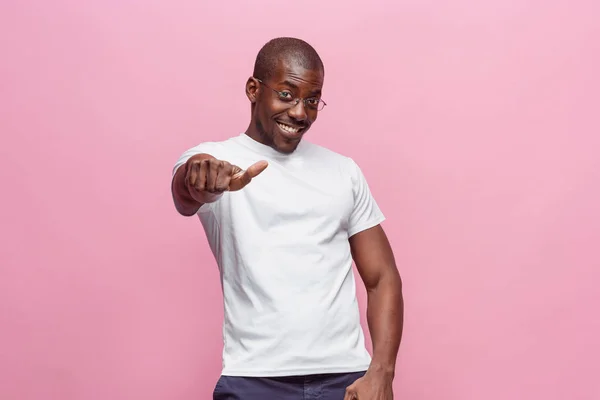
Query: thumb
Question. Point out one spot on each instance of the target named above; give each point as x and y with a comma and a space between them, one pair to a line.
256, 168
242, 178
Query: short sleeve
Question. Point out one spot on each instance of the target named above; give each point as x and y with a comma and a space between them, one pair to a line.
365, 212
189, 153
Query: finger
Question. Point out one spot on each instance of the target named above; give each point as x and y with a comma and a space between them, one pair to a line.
213, 173
241, 178
256, 169
191, 175
350, 394
252, 172
224, 177
202, 174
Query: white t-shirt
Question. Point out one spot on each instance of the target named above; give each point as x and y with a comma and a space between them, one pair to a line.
281, 244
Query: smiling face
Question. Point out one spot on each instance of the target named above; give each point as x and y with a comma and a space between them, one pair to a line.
277, 120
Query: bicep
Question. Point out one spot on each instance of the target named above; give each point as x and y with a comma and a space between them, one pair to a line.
373, 256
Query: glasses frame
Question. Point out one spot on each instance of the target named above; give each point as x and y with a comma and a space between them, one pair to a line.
294, 102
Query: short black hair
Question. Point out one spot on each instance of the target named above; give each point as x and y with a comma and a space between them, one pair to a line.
283, 48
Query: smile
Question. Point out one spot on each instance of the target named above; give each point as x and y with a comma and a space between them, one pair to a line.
288, 128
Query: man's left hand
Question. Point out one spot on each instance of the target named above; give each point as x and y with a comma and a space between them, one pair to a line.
372, 386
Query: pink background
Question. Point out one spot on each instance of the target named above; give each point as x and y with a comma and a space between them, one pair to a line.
483, 117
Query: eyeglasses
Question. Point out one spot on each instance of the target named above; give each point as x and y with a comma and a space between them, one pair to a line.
313, 103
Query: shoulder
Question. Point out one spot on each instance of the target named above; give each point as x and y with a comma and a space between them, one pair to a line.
217, 149
343, 163
212, 146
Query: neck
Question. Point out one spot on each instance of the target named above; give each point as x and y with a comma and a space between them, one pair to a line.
253, 132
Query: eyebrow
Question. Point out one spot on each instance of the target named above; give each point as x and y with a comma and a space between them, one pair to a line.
290, 84
294, 86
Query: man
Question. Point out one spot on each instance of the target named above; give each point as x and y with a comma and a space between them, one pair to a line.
285, 218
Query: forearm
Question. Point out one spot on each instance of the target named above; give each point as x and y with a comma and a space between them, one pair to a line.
385, 318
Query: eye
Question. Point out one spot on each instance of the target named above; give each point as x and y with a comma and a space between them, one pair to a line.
312, 101
285, 95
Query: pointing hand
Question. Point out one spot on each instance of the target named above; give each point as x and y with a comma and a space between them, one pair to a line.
209, 175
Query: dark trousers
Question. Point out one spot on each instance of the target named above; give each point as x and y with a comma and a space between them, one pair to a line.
307, 387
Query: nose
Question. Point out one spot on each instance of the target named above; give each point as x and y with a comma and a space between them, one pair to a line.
298, 112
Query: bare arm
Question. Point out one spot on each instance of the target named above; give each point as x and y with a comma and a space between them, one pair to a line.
375, 262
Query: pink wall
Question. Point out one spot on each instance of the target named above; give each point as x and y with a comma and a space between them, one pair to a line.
484, 116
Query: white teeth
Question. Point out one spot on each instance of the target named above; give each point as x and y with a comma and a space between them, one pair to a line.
288, 128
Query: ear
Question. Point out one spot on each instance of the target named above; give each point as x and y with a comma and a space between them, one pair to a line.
252, 89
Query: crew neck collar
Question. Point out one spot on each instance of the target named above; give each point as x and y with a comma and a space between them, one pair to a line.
265, 150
